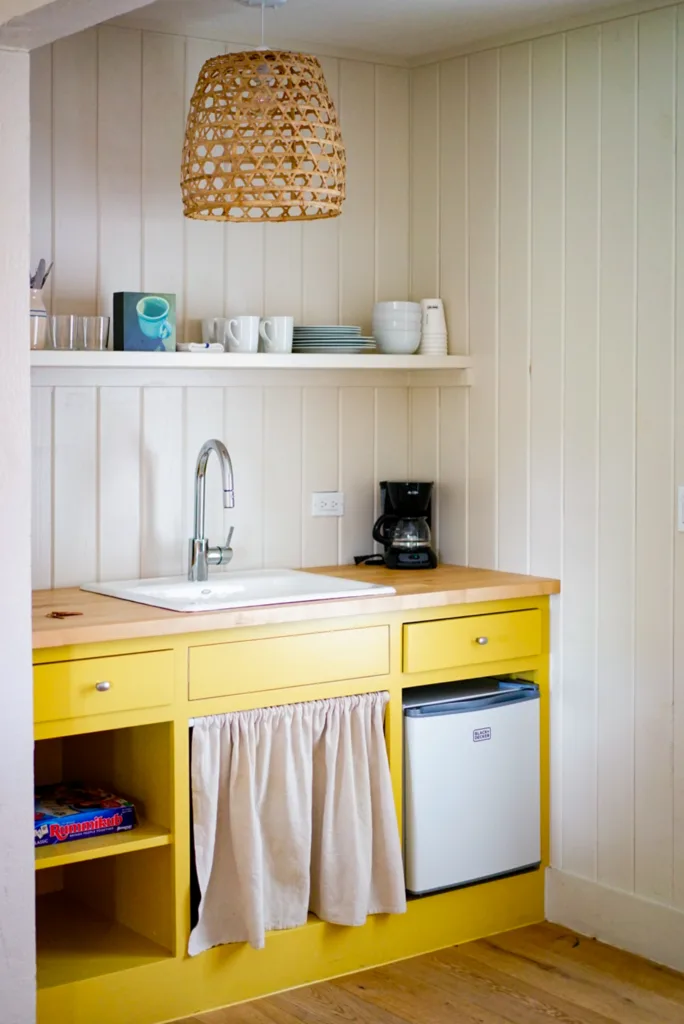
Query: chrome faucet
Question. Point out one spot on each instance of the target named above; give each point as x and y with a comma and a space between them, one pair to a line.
201, 555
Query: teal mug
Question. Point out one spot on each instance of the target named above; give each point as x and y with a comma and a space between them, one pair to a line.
153, 311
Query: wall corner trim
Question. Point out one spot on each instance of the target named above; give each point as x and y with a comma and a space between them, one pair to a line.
649, 929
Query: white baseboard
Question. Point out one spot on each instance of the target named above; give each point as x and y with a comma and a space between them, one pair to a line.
653, 930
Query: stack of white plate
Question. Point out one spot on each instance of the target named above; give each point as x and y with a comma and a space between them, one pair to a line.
331, 338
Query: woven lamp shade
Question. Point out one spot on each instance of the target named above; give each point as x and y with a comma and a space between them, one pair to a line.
262, 141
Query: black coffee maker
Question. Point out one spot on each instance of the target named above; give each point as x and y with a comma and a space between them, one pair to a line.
404, 526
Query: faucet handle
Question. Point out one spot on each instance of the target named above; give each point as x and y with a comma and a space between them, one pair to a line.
222, 555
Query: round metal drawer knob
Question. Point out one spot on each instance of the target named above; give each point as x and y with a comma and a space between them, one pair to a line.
482, 640
103, 686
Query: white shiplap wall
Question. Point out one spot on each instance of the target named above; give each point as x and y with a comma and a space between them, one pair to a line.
113, 463
113, 467
108, 110
553, 229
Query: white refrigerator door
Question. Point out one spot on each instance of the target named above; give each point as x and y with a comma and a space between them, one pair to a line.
472, 795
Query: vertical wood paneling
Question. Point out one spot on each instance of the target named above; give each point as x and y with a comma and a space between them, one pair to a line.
514, 310
357, 225
125, 457
245, 270
75, 486
546, 327
453, 205
283, 270
204, 420
654, 454
546, 367
615, 652
119, 162
75, 173
391, 183
119, 483
391, 434
358, 478
424, 438
424, 433
321, 244
243, 418
679, 480
581, 449
163, 121
392, 439
204, 243
118, 219
282, 471
425, 166
41, 161
483, 198
453, 476
163, 550
320, 472
41, 488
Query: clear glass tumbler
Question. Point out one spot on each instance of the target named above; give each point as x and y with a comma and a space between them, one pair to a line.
66, 331
95, 333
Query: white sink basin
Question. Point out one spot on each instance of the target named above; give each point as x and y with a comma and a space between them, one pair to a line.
236, 590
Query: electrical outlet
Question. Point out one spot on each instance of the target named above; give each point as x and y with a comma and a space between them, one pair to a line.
327, 503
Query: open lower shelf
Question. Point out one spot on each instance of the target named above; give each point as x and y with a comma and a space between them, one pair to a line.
74, 943
232, 361
144, 836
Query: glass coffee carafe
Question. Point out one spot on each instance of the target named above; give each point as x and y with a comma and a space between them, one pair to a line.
405, 534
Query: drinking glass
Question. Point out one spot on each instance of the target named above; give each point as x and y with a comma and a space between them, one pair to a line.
66, 331
95, 333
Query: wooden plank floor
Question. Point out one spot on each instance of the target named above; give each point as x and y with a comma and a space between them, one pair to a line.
537, 975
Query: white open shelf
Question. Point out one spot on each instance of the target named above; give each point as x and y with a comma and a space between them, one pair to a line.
229, 361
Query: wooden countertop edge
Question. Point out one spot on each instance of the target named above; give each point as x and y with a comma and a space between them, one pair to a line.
163, 623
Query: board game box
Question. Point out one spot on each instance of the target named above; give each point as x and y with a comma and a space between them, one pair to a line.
74, 811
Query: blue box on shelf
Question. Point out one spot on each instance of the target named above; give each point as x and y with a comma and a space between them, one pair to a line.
144, 322
66, 812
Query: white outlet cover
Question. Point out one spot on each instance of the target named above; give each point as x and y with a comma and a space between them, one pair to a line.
327, 503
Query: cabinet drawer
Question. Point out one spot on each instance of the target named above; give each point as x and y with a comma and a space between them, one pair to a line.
246, 666
472, 640
69, 689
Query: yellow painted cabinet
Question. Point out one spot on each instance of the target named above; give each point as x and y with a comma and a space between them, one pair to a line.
471, 640
273, 663
114, 915
98, 686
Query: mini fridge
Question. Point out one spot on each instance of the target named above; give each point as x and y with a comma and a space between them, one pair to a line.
471, 783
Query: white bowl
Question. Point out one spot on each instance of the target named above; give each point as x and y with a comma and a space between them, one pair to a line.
396, 342
391, 314
397, 307
401, 315
396, 324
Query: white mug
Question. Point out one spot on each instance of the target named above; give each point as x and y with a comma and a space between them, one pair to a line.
434, 321
214, 330
242, 334
276, 333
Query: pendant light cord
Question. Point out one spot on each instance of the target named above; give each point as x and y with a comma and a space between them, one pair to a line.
263, 12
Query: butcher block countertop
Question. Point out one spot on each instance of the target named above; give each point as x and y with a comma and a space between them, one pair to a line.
98, 619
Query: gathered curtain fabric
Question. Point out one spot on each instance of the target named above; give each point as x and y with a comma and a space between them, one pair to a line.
293, 811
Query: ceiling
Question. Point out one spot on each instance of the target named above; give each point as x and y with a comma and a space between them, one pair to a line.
396, 29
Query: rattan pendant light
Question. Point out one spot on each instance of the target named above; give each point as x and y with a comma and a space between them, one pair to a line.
262, 140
